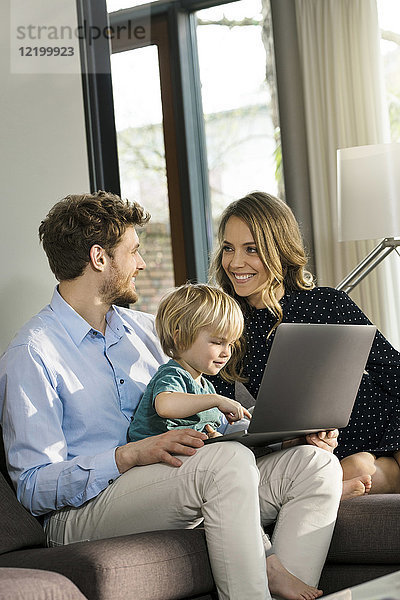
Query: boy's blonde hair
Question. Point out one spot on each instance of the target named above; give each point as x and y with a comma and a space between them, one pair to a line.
187, 309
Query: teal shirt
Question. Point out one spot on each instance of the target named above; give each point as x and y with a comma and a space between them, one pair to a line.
171, 377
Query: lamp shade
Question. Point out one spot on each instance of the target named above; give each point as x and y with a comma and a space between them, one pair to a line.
368, 192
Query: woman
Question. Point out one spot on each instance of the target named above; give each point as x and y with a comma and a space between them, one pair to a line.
261, 262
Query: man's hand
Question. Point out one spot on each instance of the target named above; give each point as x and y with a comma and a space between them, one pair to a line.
159, 449
327, 440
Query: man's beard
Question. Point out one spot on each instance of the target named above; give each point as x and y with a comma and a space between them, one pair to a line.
118, 290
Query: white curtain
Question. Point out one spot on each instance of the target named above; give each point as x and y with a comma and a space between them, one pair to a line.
344, 105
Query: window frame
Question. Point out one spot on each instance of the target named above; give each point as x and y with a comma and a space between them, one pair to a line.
184, 135
173, 30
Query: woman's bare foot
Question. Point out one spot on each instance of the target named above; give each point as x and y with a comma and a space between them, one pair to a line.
358, 486
285, 585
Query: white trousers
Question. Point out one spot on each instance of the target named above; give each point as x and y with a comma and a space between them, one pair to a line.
223, 484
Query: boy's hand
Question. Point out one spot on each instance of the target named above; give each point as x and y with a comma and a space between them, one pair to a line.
232, 409
212, 433
159, 449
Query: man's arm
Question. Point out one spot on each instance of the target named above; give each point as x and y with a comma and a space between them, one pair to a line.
45, 475
159, 448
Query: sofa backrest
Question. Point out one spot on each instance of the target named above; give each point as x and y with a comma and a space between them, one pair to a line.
18, 528
3, 462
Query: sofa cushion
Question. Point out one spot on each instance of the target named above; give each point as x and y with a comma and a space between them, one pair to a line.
18, 529
367, 531
30, 584
159, 565
336, 577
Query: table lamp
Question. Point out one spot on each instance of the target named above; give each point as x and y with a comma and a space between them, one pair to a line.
368, 194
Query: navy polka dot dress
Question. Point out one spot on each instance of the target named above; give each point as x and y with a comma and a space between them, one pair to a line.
375, 421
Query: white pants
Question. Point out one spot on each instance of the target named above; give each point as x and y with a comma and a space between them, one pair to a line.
223, 484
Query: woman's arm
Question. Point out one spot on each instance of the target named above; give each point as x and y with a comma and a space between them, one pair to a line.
383, 365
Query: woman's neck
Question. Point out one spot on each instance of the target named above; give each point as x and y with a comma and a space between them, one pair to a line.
266, 302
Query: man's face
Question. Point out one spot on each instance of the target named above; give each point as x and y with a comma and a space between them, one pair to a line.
119, 286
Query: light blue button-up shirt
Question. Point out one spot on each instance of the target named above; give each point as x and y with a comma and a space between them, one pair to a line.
67, 394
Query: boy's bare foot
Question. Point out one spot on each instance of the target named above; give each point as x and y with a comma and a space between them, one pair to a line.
285, 585
358, 486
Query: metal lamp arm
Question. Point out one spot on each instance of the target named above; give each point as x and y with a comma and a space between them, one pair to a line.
383, 249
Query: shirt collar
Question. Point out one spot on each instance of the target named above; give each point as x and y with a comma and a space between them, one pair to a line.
116, 323
76, 325
73, 323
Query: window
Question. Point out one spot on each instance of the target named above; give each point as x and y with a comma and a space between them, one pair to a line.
389, 20
139, 125
220, 154
241, 120
114, 5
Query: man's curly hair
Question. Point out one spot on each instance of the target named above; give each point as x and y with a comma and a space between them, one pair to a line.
77, 222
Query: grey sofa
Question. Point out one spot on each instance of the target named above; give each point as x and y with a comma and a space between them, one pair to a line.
161, 565
32, 584
366, 542
172, 565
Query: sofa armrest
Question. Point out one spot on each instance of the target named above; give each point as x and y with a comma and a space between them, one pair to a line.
32, 584
367, 531
159, 564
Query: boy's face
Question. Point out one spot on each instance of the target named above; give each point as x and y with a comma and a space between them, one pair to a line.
208, 354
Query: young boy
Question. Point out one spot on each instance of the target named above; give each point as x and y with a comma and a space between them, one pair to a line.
198, 326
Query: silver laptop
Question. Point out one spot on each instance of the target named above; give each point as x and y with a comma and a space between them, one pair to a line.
309, 384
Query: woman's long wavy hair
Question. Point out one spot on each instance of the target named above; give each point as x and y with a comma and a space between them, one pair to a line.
279, 246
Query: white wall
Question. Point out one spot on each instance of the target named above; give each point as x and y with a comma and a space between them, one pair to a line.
43, 157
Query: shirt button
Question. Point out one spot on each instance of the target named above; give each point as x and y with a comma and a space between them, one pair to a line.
110, 481
121, 381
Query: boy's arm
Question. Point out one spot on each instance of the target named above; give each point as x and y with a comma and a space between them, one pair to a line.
179, 405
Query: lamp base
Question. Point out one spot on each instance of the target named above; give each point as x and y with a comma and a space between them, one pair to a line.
385, 247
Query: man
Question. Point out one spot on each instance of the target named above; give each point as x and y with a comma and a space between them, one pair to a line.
69, 383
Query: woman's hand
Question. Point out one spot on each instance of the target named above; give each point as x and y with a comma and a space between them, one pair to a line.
327, 440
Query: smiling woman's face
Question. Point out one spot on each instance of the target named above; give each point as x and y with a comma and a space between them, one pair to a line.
242, 264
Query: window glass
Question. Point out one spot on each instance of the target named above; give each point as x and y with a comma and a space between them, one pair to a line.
141, 157
389, 20
114, 5
240, 112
